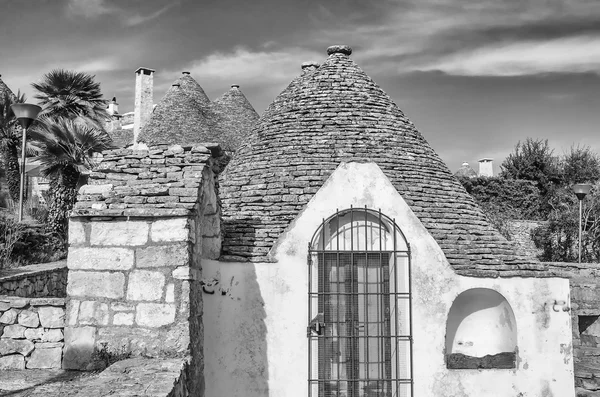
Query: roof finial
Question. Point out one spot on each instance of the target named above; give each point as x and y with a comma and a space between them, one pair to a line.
235, 86
176, 85
309, 66
185, 73
339, 49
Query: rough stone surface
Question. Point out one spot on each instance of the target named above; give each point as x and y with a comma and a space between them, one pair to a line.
9, 317
93, 313
145, 285
33, 281
127, 378
14, 331
88, 258
14, 361
52, 317
338, 114
52, 335
45, 358
119, 233
34, 333
155, 314
163, 256
28, 319
162, 181
11, 346
96, 284
123, 319
76, 232
169, 230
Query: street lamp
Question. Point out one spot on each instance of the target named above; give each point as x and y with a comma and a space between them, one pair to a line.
25, 113
581, 190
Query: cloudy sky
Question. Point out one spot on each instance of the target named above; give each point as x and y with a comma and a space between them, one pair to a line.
475, 76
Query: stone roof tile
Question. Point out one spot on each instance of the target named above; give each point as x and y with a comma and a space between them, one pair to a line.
337, 113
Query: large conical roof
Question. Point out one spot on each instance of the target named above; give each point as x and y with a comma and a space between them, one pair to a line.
334, 114
237, 118
180, 117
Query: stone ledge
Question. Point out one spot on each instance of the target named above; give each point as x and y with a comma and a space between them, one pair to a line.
32, 301
31, 270
131, 212
131, 377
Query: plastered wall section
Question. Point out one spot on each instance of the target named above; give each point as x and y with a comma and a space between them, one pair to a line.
255, 314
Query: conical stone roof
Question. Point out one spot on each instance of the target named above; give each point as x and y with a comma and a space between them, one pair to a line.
5, 90
180, 117
466, 171
337, 113
237, 118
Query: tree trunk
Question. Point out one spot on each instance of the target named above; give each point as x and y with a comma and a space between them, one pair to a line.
13, 176
63, 192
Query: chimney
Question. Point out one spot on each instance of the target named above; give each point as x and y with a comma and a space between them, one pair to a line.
486, 167
113, 107
144, 93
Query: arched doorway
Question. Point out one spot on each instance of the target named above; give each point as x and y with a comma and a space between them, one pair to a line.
360, 333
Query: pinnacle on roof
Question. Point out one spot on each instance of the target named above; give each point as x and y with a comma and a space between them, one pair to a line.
181, 116
337, 113
466, 171
237, 117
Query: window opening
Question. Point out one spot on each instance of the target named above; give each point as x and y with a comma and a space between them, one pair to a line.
360, 328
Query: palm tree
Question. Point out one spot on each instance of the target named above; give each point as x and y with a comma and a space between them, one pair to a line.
10, 142
69, 94
65, 148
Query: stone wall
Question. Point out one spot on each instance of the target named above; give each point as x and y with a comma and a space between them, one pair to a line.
31, 332
585, 319
129, 287
35, 281
137, 236
520, 231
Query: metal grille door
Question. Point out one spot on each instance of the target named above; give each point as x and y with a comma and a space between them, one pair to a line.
359, 329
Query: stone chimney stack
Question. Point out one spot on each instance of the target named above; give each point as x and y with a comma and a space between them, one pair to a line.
486, 167
144, 93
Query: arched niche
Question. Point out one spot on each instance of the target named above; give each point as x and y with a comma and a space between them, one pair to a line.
481, 331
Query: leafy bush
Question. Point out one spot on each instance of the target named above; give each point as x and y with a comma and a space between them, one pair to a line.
515, 198
10, 234
38, 246
105, 357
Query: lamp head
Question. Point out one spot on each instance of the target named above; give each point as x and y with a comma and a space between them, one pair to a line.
581, 190
25, 113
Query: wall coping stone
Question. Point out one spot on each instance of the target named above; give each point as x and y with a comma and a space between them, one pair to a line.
22, 302
30, 270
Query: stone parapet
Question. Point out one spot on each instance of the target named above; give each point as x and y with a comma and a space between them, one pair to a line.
161, 181
31, 332
35, 281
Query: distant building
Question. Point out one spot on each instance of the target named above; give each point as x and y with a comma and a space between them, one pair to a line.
466, 171
486, 167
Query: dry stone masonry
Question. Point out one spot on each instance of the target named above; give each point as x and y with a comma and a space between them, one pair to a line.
336, 113
31, 332
35, 281
136, 235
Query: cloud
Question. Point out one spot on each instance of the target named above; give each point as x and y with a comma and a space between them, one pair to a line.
138, 19
93, 9
88, 8
256, 67
565, 55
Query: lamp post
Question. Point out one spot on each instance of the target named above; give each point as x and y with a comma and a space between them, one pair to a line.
25, 113
581, 190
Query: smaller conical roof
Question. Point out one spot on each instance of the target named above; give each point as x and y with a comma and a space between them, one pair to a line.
179, 116
237, 117
5, 90
466, 171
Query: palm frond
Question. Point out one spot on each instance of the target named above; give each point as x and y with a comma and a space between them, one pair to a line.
64, 142
65, 93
